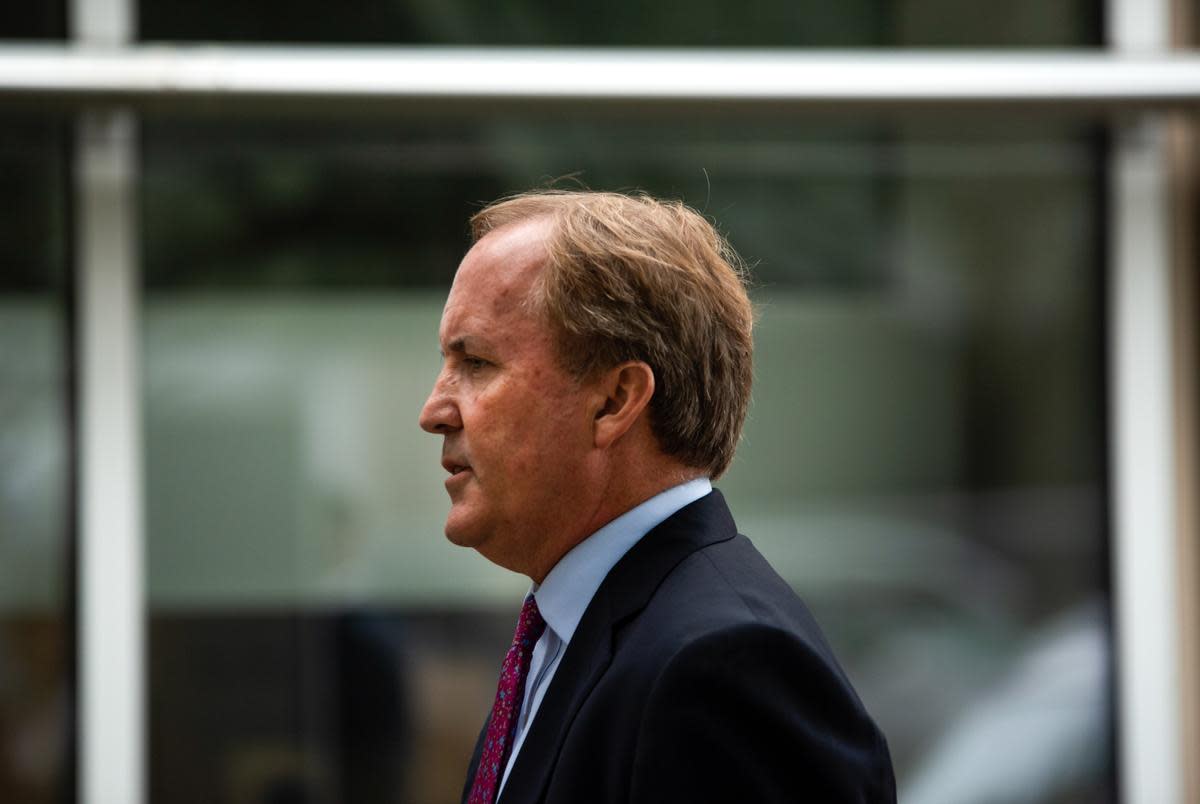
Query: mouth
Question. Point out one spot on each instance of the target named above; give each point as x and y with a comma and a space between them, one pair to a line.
455, 468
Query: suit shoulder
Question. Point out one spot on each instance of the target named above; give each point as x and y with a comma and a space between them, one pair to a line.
761, 660
759, 693
726, 586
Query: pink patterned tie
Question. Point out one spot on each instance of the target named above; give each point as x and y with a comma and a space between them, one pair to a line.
510, 693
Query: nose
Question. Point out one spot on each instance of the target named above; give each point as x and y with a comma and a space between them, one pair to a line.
440, 414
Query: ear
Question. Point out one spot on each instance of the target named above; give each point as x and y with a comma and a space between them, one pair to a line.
625, 391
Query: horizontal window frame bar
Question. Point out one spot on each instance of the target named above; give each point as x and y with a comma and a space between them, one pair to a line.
153, 76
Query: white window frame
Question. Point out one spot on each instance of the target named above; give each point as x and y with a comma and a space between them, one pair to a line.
111, 583
106, 79
1147, 543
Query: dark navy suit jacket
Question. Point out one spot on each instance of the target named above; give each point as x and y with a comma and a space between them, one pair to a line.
696, 675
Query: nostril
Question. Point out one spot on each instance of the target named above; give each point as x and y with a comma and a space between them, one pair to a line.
436, 426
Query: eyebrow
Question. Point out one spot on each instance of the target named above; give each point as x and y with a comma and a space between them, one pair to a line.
462, 344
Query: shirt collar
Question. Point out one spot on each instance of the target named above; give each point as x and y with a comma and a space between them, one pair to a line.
569, 587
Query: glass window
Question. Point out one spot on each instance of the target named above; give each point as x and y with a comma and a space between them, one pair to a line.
668, 23
45, 19
924, 459
36, 630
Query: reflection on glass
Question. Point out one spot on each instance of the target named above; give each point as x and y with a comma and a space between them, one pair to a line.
35, 633
923, 459
42, 20
667, 23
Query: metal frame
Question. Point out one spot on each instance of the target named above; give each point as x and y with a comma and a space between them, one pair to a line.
1143, 460
112, 689
1143, 382
154, 76
111, 608
104, 77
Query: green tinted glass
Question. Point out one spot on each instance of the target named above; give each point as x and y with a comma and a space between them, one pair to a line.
669, 23
36, 628
924, 458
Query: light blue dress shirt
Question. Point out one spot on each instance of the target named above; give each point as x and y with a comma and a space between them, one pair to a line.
567, 590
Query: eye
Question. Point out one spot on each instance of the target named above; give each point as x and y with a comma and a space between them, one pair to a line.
474, 363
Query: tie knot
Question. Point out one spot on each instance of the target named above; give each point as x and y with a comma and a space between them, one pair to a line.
530, 626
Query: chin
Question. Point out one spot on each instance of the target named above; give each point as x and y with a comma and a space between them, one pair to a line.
459, 539
462, 533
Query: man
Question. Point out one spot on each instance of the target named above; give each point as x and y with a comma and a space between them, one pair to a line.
597, 368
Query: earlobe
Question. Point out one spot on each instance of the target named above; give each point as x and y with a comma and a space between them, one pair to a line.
627, 389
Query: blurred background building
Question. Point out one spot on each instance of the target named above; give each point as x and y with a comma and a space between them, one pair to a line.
227, 232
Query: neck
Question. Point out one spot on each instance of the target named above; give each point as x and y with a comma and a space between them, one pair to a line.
622, 491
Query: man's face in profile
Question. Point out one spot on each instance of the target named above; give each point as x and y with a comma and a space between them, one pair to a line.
516, 426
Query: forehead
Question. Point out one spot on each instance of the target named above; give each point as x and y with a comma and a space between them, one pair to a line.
494, 280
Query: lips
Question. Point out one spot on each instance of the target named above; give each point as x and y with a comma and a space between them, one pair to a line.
454, 467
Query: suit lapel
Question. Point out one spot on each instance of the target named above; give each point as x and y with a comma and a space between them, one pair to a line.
625, 591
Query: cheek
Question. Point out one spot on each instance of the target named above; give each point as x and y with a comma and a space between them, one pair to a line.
503, 437
528, 439
560, 446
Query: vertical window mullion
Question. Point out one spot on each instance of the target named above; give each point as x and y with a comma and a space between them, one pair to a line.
111, 634
111, 584
1144, 539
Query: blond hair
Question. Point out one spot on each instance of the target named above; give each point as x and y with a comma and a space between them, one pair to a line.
631, 277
